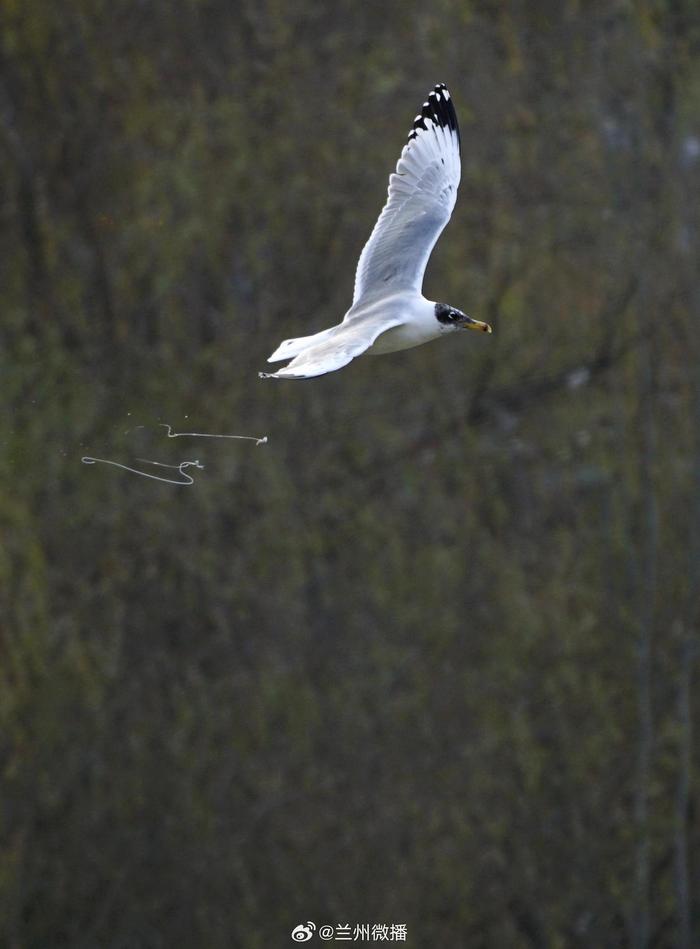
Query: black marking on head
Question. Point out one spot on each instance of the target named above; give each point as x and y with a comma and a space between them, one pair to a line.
447, 315
440, 110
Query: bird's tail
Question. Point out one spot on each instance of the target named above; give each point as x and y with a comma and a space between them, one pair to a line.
292, 347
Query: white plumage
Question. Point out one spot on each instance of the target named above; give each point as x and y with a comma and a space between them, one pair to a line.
389, 311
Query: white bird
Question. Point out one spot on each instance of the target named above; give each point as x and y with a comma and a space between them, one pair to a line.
389, 311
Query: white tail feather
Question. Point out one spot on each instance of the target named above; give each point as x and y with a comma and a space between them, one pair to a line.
292, 347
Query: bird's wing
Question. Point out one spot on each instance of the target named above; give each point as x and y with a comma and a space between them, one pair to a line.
422, 194
339, 347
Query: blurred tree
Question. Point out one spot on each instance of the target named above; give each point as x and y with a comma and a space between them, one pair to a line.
428, 656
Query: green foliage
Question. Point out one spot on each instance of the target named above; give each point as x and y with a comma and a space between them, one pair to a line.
383, 668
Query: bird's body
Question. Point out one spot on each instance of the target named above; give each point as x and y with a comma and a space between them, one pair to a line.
417, 322
389, 311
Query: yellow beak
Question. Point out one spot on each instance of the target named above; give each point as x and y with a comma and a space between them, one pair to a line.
477, 325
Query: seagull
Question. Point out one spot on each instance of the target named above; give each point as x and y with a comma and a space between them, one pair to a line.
389, 311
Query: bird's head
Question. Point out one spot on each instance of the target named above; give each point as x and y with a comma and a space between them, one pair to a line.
450, 318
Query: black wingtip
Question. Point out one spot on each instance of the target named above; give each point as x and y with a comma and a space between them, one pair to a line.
440, 110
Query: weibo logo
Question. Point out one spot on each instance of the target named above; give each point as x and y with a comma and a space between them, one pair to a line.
303, 932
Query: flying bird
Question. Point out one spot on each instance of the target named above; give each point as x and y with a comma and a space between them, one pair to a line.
389, 311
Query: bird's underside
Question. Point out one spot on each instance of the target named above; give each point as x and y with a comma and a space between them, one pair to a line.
389, 311
384, 326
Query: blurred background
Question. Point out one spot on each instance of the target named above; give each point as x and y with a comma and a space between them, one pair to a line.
429, 655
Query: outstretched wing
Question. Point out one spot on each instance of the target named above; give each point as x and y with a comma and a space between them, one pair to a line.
422, 194
336, 349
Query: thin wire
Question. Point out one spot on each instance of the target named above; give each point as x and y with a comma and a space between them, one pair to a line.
249, 438
89, 460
